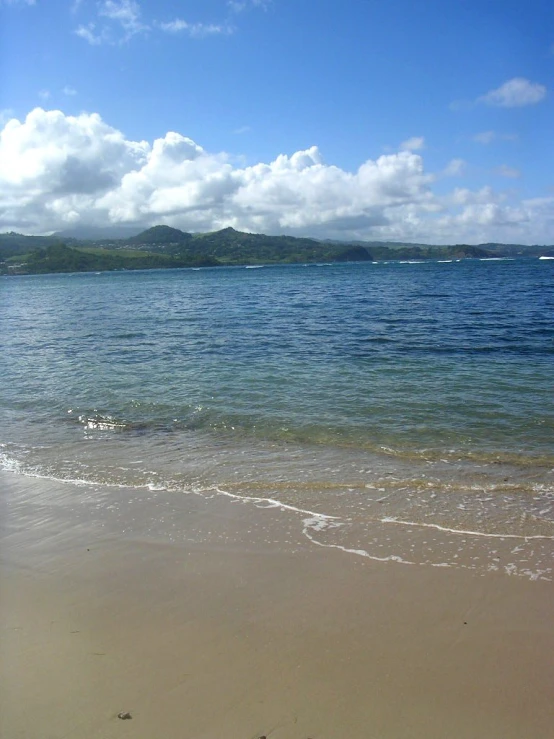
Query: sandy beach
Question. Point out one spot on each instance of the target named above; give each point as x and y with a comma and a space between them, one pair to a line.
209, 618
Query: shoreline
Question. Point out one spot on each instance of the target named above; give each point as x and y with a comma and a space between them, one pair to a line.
212, 617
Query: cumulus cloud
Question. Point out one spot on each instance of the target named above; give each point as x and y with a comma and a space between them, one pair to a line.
52, 166
483, 196
515, 93
493, 214
57, 169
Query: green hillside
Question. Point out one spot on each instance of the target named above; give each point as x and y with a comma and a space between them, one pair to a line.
160, 235
167, 247
58, 258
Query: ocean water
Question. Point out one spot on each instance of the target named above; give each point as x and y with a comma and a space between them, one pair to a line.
404, 410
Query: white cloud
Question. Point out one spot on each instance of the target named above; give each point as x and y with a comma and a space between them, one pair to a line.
69, 91
44, 94
126, 13
414, 144
493, 214
174, 26
464, 196
505, 171
196, 30
117, 21
57, 169
52, 164
515, 93
90, 34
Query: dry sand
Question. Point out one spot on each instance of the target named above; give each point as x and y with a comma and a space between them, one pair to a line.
212, 619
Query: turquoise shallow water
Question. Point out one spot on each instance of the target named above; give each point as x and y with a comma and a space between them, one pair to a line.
426, 385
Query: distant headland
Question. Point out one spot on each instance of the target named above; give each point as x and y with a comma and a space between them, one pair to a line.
167, 247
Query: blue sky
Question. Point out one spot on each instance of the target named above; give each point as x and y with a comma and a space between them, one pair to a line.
420, 120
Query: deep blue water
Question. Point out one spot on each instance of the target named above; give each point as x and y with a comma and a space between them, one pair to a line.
447, 356
304, 376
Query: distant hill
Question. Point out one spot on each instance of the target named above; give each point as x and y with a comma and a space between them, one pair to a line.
517, 250
166, 247
56, 258
408, 250
12, 244
160, 235
236, 247
229, 246
411, 251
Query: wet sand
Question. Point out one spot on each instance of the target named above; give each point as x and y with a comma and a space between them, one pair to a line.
211, 618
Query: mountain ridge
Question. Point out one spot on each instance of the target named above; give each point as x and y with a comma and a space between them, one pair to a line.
164, 246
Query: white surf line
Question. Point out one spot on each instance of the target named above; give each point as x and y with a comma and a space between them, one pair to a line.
13, 466
317, 522
462, 531
8, 464
274, 503
358, 552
